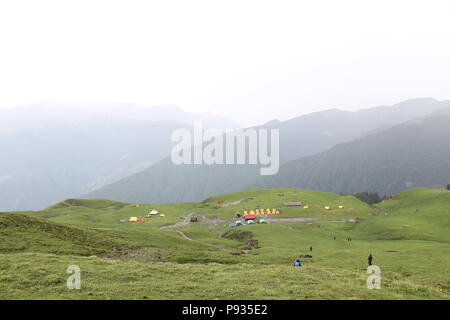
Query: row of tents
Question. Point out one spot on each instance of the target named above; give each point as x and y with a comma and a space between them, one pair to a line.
329, 208
300, 204
252, 221
152, 213
258, 212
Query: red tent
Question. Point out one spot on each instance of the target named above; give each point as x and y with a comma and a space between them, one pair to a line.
141, 221
250, 217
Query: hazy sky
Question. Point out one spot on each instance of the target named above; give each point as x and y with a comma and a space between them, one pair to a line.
249, 60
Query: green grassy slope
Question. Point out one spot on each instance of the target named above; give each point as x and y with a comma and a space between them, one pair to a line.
416, 214
275, 198
19, 233
170, 257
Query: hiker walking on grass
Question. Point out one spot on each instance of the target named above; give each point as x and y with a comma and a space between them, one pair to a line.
370, 259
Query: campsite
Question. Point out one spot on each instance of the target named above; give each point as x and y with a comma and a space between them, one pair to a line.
179, 257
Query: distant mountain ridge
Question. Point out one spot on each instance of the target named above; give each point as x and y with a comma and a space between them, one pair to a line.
409, 155
299, 137
61, 114
53, 151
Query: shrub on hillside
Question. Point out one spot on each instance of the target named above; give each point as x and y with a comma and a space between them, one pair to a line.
369, 197
239, 235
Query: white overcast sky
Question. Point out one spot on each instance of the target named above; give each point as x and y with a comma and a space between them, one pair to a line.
249, 60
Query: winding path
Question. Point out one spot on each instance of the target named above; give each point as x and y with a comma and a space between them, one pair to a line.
186, 222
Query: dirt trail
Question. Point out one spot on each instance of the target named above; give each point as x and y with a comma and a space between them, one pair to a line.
184, 235
185, 222
181, 233
309, 219
180, 224
235, 202
291, 219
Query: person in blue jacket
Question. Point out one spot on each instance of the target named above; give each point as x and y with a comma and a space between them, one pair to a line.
297, 263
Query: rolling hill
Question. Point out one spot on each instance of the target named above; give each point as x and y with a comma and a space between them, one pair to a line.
171, 257
22, 233
415, 214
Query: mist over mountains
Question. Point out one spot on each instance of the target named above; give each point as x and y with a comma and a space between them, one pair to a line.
409, 155
299, 137
53, 151
53, 114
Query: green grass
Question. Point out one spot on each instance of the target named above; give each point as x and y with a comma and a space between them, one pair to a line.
23, 233
417, 214
172, 258
38, 276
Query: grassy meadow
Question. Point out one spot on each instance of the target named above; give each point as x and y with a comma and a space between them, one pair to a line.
171, 257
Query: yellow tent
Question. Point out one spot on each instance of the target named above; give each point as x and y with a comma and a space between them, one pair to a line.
306, 207
341, 207
327, 208
133, 219
162, 215
252, 212
278, 212
245, 212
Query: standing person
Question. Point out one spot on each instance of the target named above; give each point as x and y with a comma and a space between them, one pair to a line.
370, 259
310, 248
334, 237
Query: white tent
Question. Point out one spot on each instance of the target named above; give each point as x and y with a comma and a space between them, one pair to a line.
153, 213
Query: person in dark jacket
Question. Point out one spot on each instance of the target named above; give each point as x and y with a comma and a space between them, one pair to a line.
297, 263
370, 259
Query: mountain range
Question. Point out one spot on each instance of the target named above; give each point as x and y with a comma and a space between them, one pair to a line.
300, 139
409, 155
52, 150
56, 150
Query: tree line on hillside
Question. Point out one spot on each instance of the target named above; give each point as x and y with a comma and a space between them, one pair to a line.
369, 197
